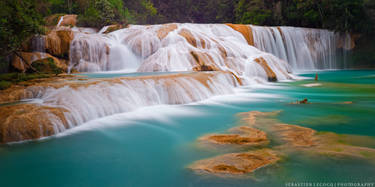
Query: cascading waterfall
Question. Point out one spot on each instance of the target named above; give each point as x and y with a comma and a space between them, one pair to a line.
227, 50
173, 47
302, 48
107, 97
92, 52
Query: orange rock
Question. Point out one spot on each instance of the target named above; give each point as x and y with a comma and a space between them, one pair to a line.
112, 28
242, 135
58, 41
24, 61
281, 33
237, 163
68, 20
270, 74
203, 61
296, 136
29, 121
165, 30
192, 39
245, 30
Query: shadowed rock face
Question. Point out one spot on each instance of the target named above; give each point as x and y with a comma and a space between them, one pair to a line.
288, 139
237, 163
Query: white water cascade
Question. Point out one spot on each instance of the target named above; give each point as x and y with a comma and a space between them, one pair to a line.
173, 47
302, 48
85, 102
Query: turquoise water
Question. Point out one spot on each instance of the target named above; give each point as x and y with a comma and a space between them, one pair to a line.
153, 146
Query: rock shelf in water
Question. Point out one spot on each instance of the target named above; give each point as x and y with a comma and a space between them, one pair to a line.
242, 135
289, 138
237, 163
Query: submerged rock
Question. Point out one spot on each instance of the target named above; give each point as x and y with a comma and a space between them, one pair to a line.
288, 138
294, 137
237, 163
242, 135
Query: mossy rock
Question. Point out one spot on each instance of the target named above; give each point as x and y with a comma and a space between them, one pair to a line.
47, 65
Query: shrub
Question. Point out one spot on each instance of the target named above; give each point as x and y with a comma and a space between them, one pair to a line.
4, 85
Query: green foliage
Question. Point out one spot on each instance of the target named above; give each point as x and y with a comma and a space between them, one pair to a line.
103, 12
252, 12
363, 54
4, 85
338, 15
7, 79
18, 21
207, 11
141, 12
346, 15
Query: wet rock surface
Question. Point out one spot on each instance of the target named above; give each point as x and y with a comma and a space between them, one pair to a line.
30, 121
242, 135
287, 139
237, 163
27, 111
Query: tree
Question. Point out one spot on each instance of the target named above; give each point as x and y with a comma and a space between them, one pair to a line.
18, 21
253, 12
103, 12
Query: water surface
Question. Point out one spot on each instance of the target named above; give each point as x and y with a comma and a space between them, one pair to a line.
153, 146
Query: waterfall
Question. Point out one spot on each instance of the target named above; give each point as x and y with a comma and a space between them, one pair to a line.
92, 52
173, 47
85, 102
60, 21
302, 48
215, 58
38, 43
